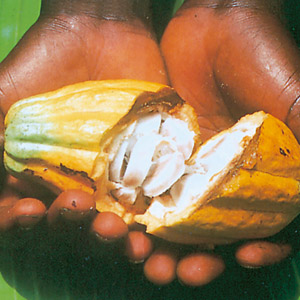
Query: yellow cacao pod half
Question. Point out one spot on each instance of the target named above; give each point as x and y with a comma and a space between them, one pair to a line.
136, 146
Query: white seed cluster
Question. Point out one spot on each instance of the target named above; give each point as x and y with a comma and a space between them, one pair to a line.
150, 156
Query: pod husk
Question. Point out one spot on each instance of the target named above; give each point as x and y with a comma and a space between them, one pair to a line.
64, 139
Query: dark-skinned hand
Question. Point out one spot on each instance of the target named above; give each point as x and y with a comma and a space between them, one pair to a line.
221, 57
229, 58
74, 41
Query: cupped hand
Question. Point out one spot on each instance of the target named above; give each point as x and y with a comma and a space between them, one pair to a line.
66, 47
229, 58
75, 42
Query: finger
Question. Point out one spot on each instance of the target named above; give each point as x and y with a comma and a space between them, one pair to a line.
108, 226
15, 210
6, 218
27, 212
256, 254
160, 267
72, 205
199, 269
138, 246
8, 198
28, 190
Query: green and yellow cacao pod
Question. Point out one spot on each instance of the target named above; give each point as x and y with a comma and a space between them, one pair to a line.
136, 147
54, 138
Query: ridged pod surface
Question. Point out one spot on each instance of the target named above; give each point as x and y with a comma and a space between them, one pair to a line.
254, 195
241, 184
55, 137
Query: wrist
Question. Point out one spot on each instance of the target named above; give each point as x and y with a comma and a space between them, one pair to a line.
103, 9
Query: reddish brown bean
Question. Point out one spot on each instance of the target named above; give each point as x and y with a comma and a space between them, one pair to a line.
160, 267
28, 211
199, 269
257, 254
108, 226
138, 246
72, 205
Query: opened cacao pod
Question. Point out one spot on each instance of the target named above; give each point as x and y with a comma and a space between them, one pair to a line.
136, 147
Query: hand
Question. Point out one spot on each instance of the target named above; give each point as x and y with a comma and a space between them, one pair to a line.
78, 54
79, 41
73, 42
66, 46
229, 58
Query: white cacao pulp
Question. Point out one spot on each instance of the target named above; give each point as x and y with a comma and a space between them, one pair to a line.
150, 156
152, 160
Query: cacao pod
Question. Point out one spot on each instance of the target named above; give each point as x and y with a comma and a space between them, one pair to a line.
55, 137
136, 147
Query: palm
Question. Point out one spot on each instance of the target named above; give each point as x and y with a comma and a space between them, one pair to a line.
64, 50
228, 63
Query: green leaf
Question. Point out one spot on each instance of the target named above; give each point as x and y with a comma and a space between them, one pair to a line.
16, 16
177, 4
7, 292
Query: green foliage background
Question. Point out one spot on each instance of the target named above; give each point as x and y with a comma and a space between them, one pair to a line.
16, 16
42, 265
